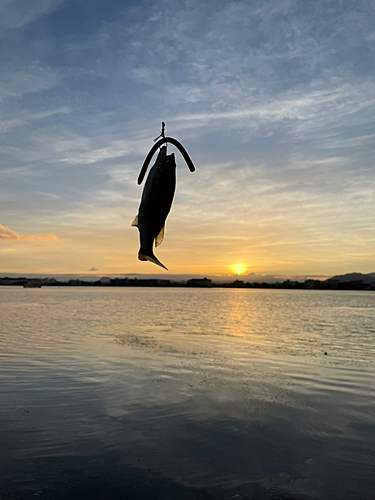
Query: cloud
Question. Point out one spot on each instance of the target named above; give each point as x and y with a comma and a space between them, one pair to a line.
7, 234
17, 81
16, 13
25, 118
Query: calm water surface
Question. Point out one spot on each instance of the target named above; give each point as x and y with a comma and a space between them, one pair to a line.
172, 393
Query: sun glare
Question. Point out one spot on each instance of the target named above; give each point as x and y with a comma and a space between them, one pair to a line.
238, 268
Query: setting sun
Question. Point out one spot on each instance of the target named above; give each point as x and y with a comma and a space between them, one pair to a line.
238, 268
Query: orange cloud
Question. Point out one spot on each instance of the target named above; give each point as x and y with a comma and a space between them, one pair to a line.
7, 234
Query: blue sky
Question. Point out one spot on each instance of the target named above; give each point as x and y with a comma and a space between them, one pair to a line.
273, 100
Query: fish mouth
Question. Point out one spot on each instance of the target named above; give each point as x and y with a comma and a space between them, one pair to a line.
151, 258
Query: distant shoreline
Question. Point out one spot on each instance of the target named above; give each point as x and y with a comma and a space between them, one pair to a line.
310, 284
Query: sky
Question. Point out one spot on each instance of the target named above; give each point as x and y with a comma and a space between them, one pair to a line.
273, 100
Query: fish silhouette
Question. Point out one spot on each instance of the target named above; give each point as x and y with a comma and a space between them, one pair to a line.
155, 205
157, 196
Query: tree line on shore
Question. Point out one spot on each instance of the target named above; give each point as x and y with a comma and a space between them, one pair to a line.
310, 284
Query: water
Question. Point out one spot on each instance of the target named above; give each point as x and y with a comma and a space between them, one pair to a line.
186, 394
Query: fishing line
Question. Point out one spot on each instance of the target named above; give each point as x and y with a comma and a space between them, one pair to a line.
162, 60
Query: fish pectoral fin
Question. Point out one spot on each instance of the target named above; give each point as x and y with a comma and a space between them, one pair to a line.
151, 258
160, 237
135, 222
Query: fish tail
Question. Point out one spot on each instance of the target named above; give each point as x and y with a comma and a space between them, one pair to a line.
151, 258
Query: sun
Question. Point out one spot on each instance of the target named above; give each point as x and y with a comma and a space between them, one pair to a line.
238, 268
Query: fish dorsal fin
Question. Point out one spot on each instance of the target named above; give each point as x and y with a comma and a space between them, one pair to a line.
160, 237
135, 222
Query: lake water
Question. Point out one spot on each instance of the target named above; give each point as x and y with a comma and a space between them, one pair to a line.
178, 393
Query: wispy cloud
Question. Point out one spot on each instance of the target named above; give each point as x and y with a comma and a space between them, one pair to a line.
15, 13
16, 82
24, 118
8, 235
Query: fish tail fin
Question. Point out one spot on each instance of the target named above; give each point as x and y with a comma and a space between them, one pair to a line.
151, 258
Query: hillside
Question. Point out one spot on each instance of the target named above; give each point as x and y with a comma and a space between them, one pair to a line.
347, 278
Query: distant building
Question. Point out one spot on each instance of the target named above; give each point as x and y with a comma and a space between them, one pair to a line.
238, 284
105, 280
205, 282
74, 282
289, 284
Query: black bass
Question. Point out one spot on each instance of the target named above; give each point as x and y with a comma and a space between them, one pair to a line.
155, 205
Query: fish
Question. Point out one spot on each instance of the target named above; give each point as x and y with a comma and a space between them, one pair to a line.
156, 203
